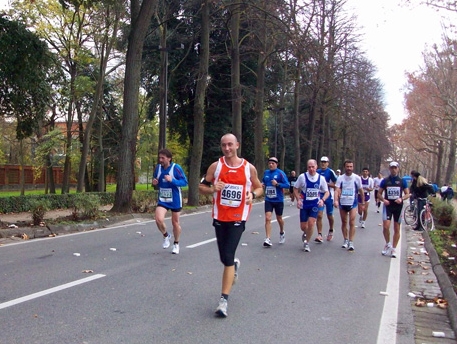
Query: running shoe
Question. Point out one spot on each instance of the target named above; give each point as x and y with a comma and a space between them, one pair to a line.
319, 239
351, 246
330, 235
386, 249
345, 243
377, 211
282, 238
306, 247
360, 219
237, 266
267, 243
175, 249
363, 224
166, 241
303, 237
393, 253
221, 309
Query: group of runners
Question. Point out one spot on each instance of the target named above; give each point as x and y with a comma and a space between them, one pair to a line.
320, 188
234, 184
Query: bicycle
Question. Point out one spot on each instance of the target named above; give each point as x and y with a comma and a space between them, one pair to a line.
426, 217
410, 214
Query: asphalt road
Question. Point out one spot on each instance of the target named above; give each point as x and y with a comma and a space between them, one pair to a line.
141, 293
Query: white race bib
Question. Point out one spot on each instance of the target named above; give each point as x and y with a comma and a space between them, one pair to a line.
231, 195
312, 194
347, 196
393, 192
166, 195
270, 191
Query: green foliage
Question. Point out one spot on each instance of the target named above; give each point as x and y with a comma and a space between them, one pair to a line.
18, 204
86, 205
443, 212
38, 208
144, 201
24, 63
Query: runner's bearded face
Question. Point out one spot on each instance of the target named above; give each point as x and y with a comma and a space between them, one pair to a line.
348, 168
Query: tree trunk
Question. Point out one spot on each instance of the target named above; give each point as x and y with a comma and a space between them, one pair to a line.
235, 12
452, 150
259, 101
297, 117
199, 109
141, 18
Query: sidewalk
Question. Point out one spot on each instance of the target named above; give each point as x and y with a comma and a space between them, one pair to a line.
427, 279
429, 284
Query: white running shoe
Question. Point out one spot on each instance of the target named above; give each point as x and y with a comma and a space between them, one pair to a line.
351, 246
282, 238
221, 309
386, 250
166, 241
267, 243
393, 253
175, 249
363, 224
345, 244
306, 247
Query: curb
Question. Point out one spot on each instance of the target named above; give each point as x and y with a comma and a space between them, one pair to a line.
50, 230
443, 280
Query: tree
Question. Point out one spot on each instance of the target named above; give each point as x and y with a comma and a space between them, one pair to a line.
141, 13
24, 91
199, 107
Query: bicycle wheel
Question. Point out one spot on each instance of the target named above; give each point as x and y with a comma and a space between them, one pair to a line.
426, 220
409, 215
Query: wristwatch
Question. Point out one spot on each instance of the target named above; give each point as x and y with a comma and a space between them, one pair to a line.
253, 194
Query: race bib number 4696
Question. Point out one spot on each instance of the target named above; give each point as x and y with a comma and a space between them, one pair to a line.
231, 195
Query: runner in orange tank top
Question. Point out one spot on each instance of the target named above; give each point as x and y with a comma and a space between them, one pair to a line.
234, 183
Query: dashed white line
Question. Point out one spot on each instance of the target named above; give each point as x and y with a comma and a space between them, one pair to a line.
49, 291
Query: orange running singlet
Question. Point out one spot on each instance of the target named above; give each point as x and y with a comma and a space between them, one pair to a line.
229, 204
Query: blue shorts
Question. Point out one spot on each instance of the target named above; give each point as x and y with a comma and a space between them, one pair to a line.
329, 205
306, 213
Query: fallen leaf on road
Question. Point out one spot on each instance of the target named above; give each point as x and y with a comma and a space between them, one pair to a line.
87, 271
24, 236
429, 281
255, 233
189, 272
420, 303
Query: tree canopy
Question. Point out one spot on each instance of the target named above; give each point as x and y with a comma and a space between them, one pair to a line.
25, 62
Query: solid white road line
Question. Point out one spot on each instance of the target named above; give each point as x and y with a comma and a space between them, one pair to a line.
388, 326
214, 239
49, 291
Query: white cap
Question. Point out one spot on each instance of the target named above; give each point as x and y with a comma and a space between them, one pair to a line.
324, 158
394, 164
338, 170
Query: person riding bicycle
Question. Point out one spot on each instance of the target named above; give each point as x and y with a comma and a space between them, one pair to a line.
421, 189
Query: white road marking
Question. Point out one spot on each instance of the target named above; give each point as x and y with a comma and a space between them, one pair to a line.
201, 243
214, 239
388, 327
49, 291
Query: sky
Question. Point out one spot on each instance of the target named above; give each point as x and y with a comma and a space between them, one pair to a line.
394, 38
